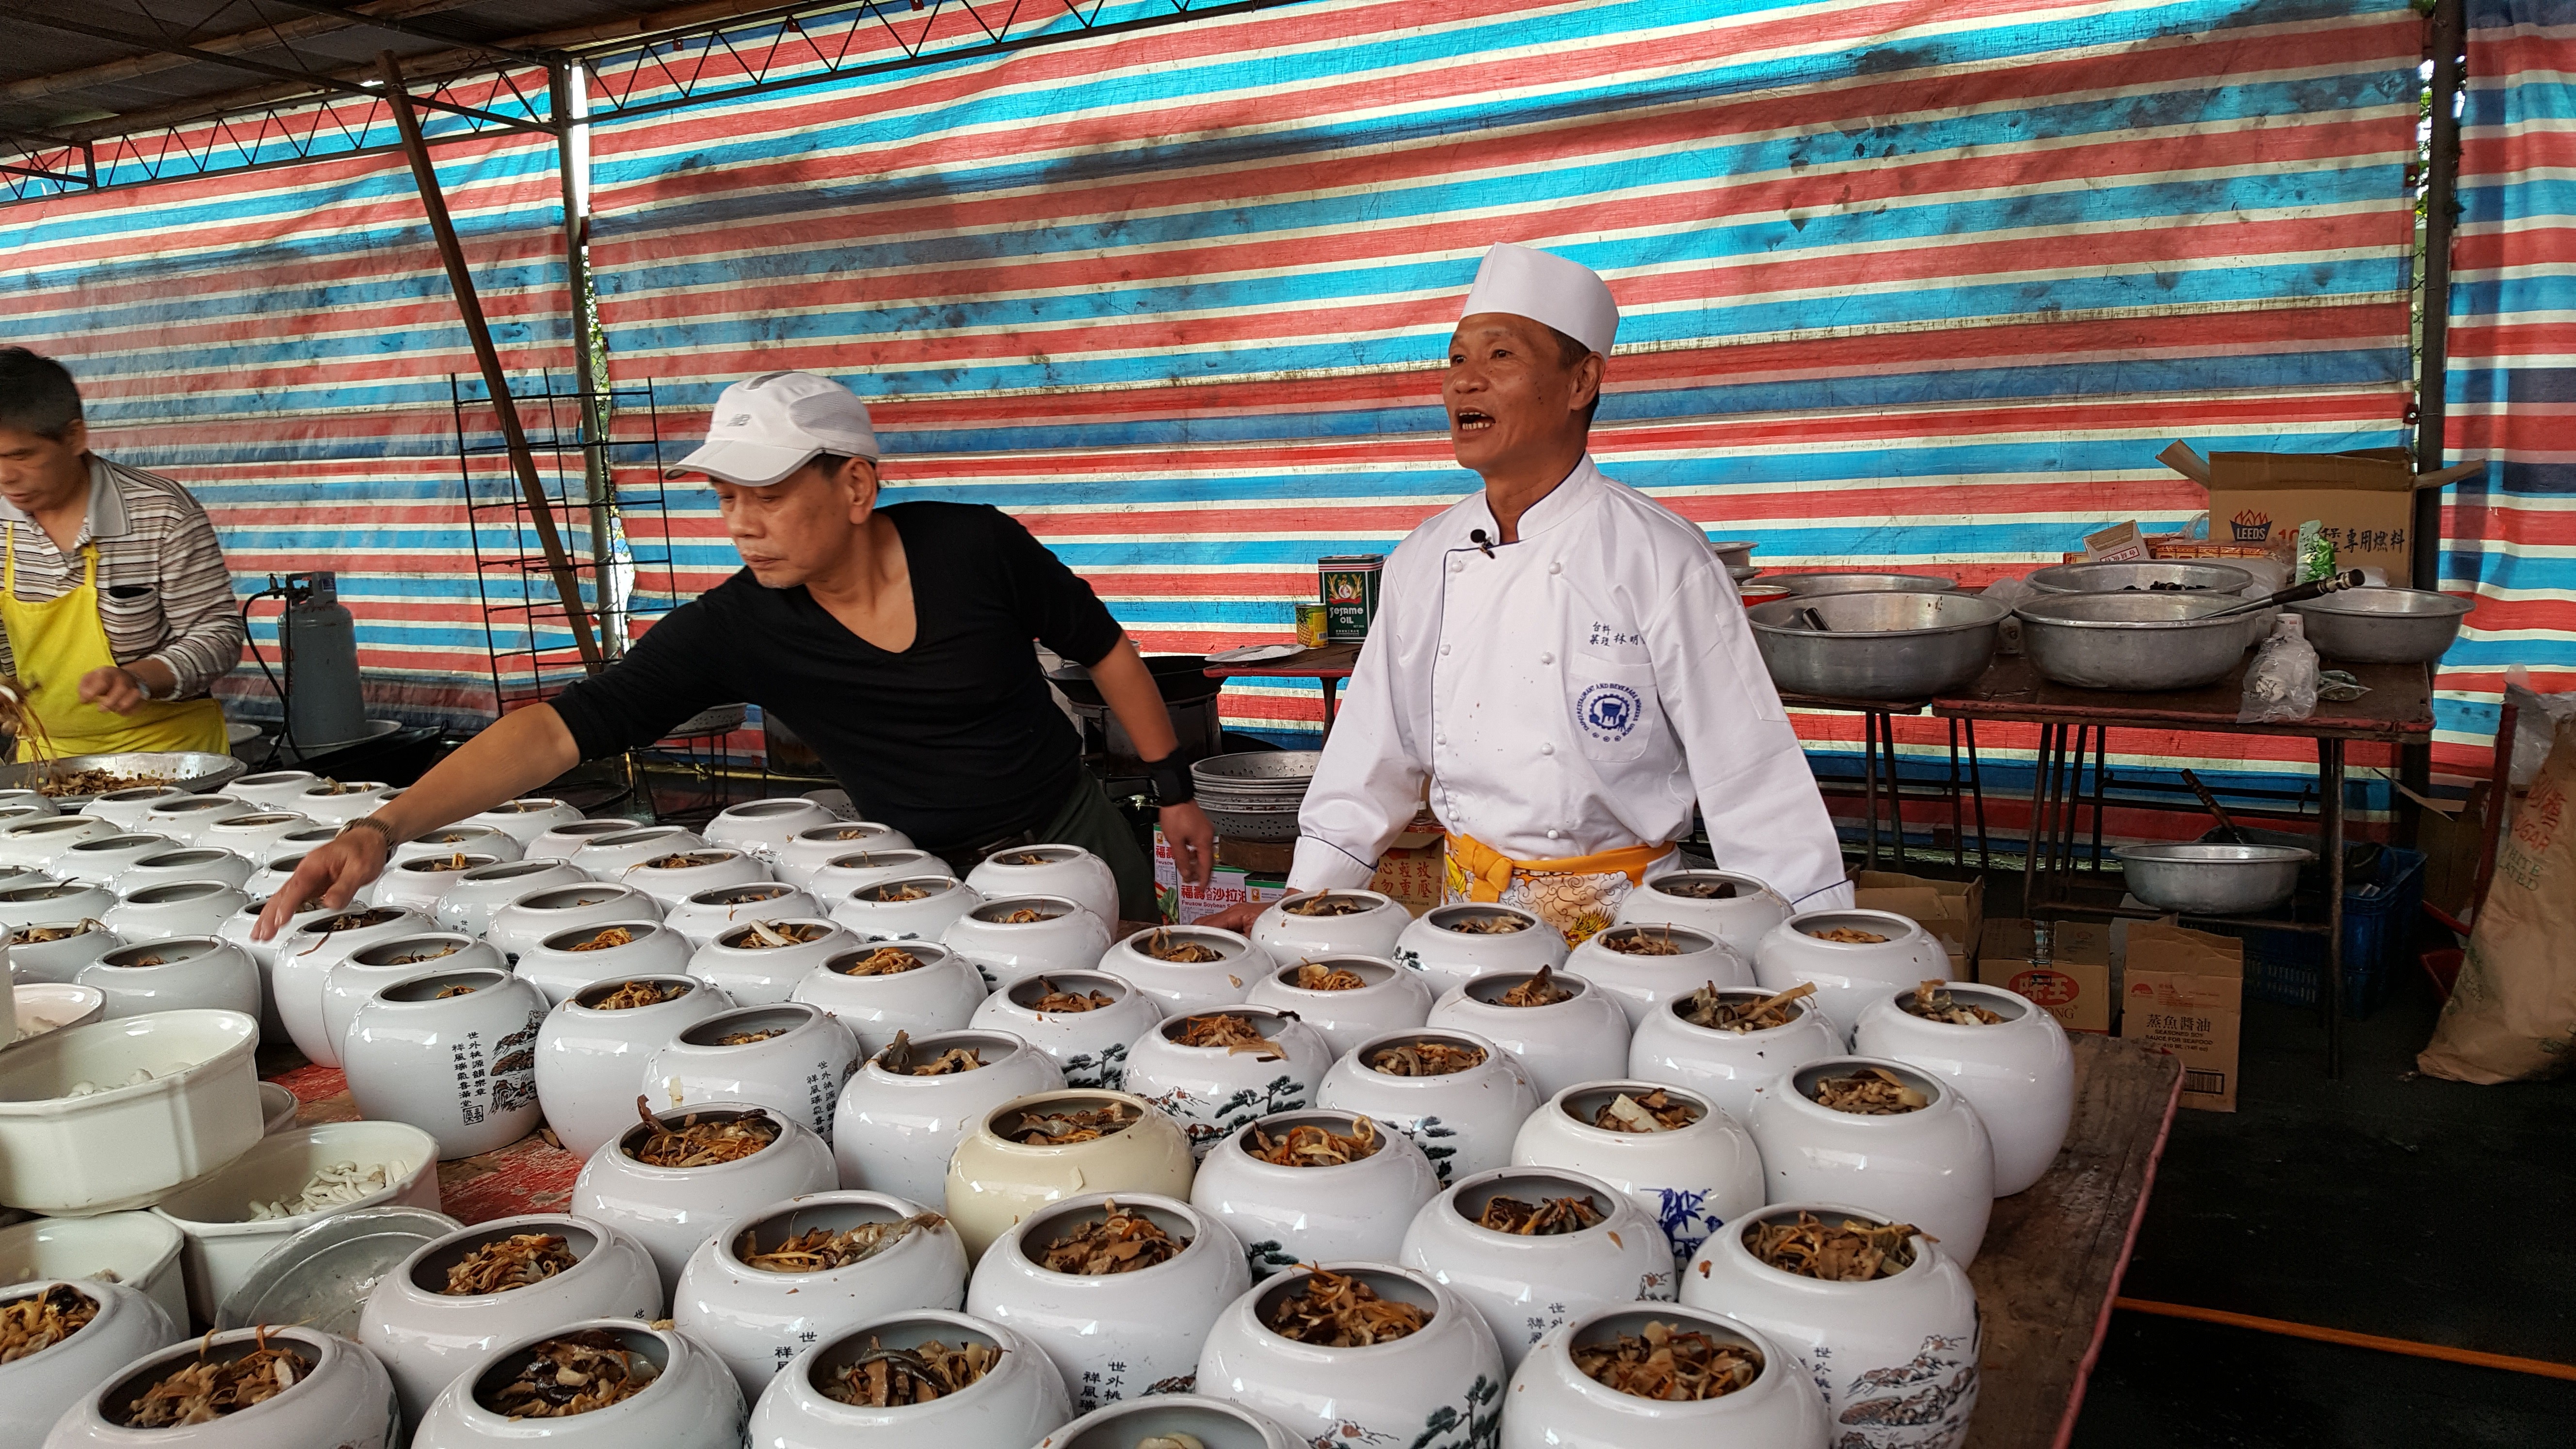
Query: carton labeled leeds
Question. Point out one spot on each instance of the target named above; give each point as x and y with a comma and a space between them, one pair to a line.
2365, 501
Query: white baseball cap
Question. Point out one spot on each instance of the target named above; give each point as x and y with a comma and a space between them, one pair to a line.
1545, 287
769, 426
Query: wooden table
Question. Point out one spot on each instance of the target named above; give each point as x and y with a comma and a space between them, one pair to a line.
1327, 665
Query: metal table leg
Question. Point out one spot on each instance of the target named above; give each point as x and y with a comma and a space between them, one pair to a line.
1958, 821
2034, 831
1976, 785
2330, 792
1869, 787
2101, 770
1895, 790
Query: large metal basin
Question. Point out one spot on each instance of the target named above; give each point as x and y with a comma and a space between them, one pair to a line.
194, 771
1848, 583
2131, 641
2210, 879
2144, 575
1878, 645
2383, 626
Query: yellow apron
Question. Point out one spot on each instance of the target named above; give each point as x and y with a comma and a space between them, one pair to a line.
57, 642
1579, 895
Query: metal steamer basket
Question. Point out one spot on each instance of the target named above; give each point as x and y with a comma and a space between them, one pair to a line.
1255, 796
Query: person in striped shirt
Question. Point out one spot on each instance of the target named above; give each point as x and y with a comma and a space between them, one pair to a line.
117, 604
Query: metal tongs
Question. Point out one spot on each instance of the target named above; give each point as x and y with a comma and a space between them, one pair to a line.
2313, 589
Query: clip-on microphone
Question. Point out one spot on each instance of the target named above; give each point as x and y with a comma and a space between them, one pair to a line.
1479, 539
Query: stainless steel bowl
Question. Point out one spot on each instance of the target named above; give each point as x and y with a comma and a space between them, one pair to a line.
2142, 575
2131, 641
185, 769
2383, 626
2210, 879
1743, 573
1733, 552
1845, 583
1877, 645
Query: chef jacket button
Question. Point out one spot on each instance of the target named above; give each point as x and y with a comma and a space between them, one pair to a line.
1547, 749
1444, 650
1556, 568
1544, 657
1551, 835
1457, 565
1440, 739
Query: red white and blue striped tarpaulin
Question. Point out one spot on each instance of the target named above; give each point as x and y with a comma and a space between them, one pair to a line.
1906, 283
2511, 534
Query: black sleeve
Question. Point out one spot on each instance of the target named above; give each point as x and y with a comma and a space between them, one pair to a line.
668, 675
1059, 609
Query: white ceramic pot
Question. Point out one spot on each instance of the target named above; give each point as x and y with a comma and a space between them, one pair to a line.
121, 808
1289, 935
166, 912
186, 973
279, 868
473, 896
462, 838
558, 842
850, 870
45, 1006
1526, 1285
995, 1179
461, 1068
61, 959
672, 879
1088, 1045
1464, 1121
1554, 1404
1896, 1356
795, 1064
305, 957
136, 1250
185, 818
253, 837
816, 858
1614, 961
565, 962
28, 905
525, 819
1438, 1388
1067, 872
591, 1056
365, 971
215, 1213
610, 857
1113, 1336
692, 1402
12, 877
2018, 1073
1933, 1167
895, 1130
1011, 1407
938, 993
272, 788
1065, 937
1849, 976
20, 814
670, 1210
1353, 1211
760, 828
40, 1388
1737, 909
126, 1143
704, 915
235, 931
279, 1108
1725, 1066
99, 862
1387, 998
757, 1319
343, 1399
36, 800
534, 915
1690, 1180
1445, 944
1183, 988
755, 972
915, 908
426, 1336
418, 884
1214, 1092
1583, 1038
336, 803
1212, 1422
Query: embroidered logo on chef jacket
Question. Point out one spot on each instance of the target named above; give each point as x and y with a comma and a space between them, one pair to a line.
1608, 711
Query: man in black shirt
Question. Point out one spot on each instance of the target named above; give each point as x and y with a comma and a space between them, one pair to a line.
894, 640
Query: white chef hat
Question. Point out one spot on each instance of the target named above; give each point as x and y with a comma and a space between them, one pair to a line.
1544, 287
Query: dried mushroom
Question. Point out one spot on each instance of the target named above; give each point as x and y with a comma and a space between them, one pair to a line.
1638, 941
1546, 1218
1656, 1111
818, 1250
605, 939
1235, 1033
1051, 999
414, 958
1024, 857
453, 989
901, 891
763, 935
1162, 947
1024, 916
1338, 1311
701, 1144
1930, 1002
1848, 936
206, 1389
901, 1058
35, 935
883, 961
1324, 903
1856, 1252
574, 1373
687, 860
1490, 923
1869, 1092
1312, 1146
1058, 1129
1425, 1059
1541, 989
883, 1378
1705, 1007
40, 1320
1698, 890
1670, 1363
1121, 1242
507, 1263
631, 994
151, 959
746, 1038
1315, 976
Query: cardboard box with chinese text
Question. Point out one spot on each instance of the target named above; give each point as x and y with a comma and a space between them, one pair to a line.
2070, 977
2184, 991
1954, 911
1227, 885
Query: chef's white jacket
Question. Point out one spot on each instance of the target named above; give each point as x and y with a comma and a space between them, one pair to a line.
1573, 692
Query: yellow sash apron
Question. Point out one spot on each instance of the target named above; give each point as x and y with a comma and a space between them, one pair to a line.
57, 642
1577, 894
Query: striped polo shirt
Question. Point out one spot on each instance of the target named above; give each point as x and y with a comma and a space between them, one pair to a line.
163, 590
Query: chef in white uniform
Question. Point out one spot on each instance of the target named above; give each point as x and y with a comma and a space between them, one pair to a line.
1560, 657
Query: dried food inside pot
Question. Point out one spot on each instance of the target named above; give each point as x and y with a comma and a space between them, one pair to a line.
1339, 1311
1051, 999
1236, 1034
1856, 1252
1848, 936
631, 994
1162, 947
40, 1320
205, 1389
1640, 941
883, 961
508, 1263
1699, 890
1546, 1218
1025, 916
905, 1059
1932, 1003
1655, 1111
1121, 1242
1489, 923
700, 1143
414, 958
883, 1378
137, 1078
818, 1250
852, 832
1024, 857
337, 1185
1705, 1007
1319, 976
1541, 989
1307, 1145
97, 782
1171, 1439
572, 1373
1325, 903
328, 786
684, 860
149, 958
456, 988
37, 935
435, 863
605, 939
1869, 1092
764, 935
1425, 1058
896, 891
352, 921
746, 1038
1670, 1363
1058, 1129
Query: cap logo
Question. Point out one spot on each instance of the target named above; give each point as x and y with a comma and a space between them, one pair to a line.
737, 420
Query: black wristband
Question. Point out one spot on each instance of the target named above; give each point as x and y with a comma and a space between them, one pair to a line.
1173, 784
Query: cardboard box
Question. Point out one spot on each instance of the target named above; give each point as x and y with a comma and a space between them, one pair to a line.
1952, 910
2184, 992
1227, 885
2119, 543
2070, 976
1414, 874
2365, 500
